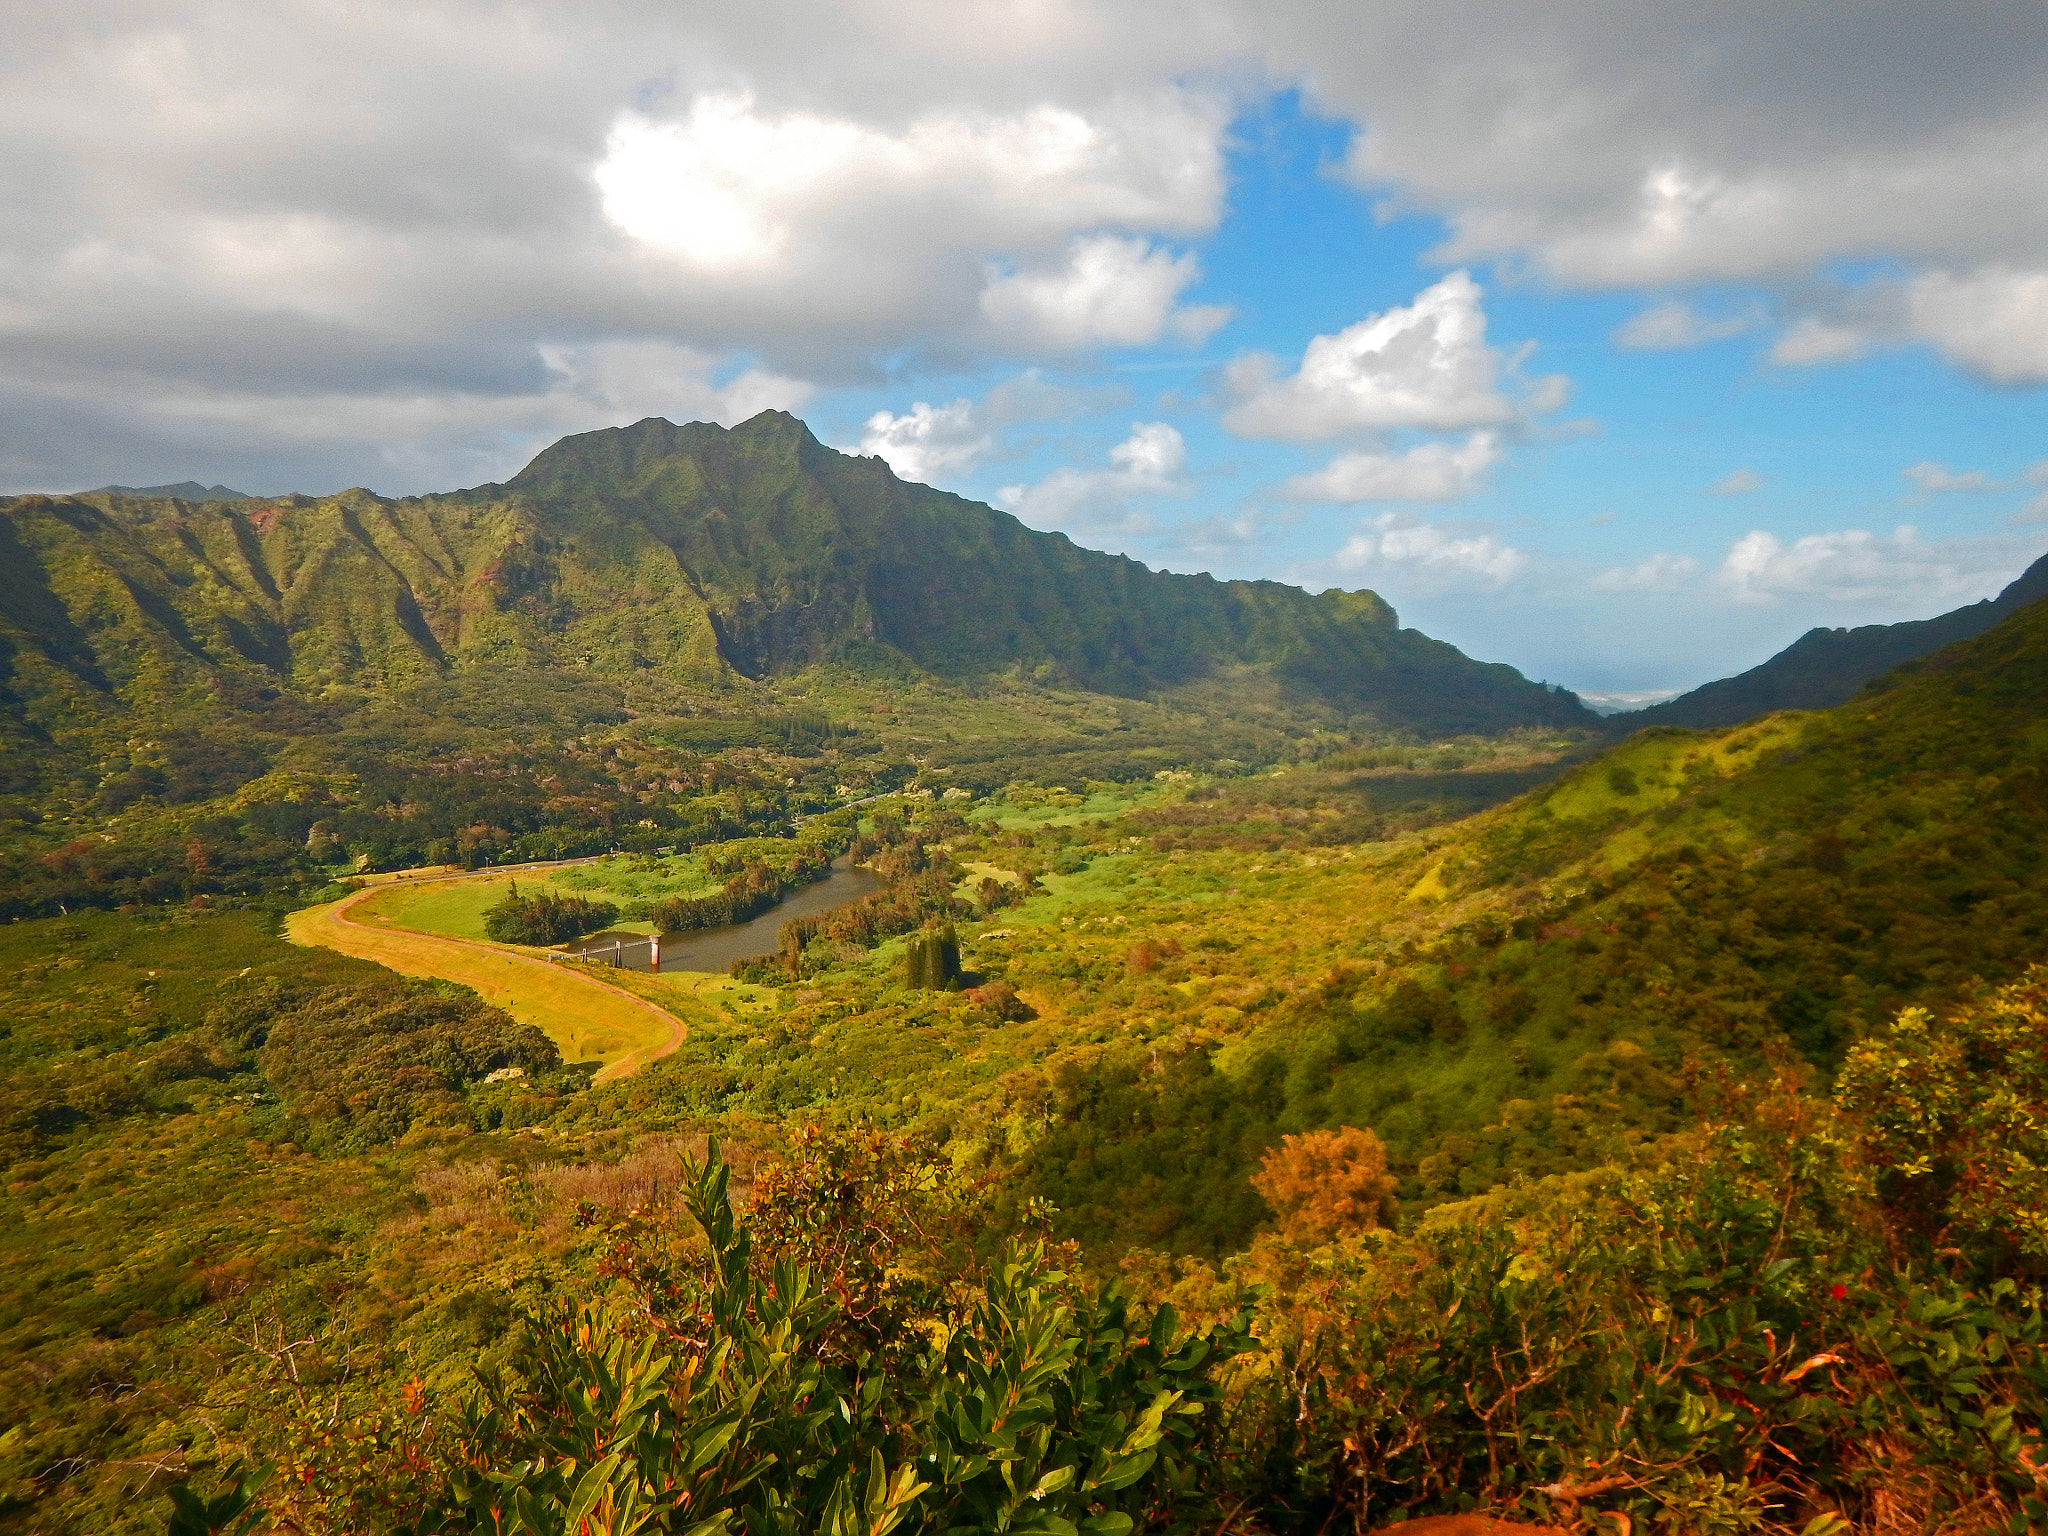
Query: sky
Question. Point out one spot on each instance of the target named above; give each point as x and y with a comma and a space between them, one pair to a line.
1621, 343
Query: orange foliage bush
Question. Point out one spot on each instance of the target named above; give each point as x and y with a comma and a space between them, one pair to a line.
1150, 954
1322, 1183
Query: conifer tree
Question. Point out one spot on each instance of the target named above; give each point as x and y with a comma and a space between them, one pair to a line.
931, 959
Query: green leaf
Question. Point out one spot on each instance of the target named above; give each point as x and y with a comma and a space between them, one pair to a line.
1052, 1482
710, 1445
590, 1487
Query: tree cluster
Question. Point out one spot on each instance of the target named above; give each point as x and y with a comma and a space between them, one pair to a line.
366, 1062
545, 918
747, 894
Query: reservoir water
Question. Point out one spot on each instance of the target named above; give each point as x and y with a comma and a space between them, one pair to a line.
715, 949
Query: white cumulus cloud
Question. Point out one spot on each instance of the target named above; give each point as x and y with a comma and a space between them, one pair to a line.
1932, 479
1657, 573
927, 442
1428, 555
1107, 291
1424, 364
793, 188
1152, 461
1219, 533
1857, 566
1426, 472
1608, 145
728, 185
1672, 325
1993, 320
1810, 341
1611, 144
626, 379
465, 437
2036, 510
813, 187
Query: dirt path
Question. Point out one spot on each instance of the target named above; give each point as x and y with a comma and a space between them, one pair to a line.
588, 1019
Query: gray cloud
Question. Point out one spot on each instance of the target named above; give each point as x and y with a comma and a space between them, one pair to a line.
323, 244
1619, 143
225, 223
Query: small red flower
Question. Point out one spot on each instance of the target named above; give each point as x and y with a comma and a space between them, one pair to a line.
1839, 1291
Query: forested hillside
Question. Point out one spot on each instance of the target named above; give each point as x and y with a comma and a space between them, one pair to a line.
684, 557
1520, 993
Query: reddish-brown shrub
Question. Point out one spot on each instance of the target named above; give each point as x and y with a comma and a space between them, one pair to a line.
1323, 1183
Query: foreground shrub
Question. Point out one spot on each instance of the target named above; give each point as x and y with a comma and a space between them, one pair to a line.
709, 1407
1956, 1116
1323, 1183
1754, 1327
1725, 1340
713, 1394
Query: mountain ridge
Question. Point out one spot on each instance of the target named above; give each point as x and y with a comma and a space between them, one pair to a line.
1825, 667
712, 557
182, 490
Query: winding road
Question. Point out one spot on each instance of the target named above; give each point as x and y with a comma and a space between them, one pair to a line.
564, 1000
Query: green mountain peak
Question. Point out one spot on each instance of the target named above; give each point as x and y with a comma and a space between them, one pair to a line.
694, 552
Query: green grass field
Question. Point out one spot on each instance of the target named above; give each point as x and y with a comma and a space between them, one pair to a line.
1026, 809
456, 907
621, 879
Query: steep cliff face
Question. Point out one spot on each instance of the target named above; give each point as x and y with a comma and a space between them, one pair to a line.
800, 552
691, 551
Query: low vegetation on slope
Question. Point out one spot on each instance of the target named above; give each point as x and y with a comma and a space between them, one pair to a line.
1579, 1154
1519, 994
